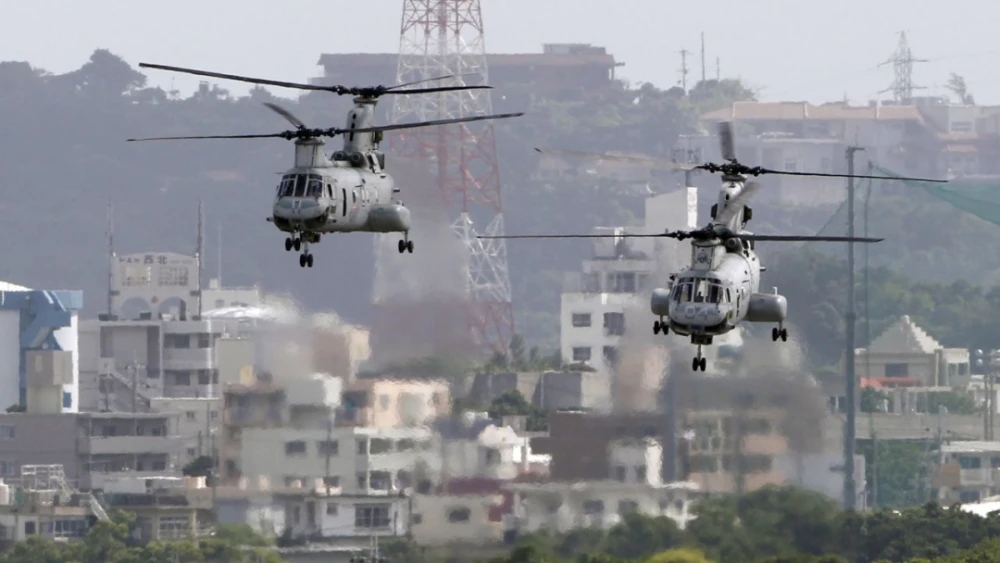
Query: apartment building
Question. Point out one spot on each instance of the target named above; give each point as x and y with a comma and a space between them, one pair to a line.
967, 472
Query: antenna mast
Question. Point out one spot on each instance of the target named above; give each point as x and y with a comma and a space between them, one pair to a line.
438, 38
902, 68
702, 56
684, 70
200, 255
111, 257
718, 73
219, 274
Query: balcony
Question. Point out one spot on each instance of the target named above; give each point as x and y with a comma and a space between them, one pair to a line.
104, 479
109, 445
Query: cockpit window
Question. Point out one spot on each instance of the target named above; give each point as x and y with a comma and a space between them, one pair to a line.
698, 290
287, 186
315, 186
300, 185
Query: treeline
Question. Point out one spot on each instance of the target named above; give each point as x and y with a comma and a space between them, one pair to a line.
771, 525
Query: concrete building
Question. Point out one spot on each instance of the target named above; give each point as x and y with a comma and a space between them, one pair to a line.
632, 483
967, 472
616, 277
43, 504
447, 519
905, 355
553, 390
197, 423
558, 67
390, 403
313, 514
475, 447
92, 447
45, 322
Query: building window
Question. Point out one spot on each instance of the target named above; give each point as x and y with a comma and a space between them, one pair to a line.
328, 447
581, 354
626, 506
362, 480
620, 473
896, 370
189, 415
640, 474
968, 496
191, 452
173, 276
363, 446
593, 506
610, 354
383, 401
7, 432
614, 324
417, 518
970, 462
371, 516
332, 509
214, 415
332, 481
297, 447
581, 319
456, 515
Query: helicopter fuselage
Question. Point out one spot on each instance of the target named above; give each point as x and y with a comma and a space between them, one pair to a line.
338, 198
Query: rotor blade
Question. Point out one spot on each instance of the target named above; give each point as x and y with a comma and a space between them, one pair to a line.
863, 176
437, 89
794, 238
429, 123
236, 77
734, 205
726, 140
445, 77
286, 114
579, 236
640, 160
269, 136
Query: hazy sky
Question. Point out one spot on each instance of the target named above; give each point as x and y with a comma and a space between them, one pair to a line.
793, 49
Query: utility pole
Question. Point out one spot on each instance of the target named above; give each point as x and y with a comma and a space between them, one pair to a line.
684, 70
850, 497
702, 56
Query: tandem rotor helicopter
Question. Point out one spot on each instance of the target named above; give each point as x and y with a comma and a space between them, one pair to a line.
721, 287
350, 191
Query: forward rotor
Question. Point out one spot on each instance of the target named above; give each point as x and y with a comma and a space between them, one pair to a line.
362, 91
711, 232
303, 132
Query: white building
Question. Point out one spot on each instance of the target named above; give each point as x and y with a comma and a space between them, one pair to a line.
968, 472
474, 446
634, 485
351, 460
617, 276
197, 422
314, 514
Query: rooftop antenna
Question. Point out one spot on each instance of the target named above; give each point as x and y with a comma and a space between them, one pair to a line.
200, 254
684, 70
111, 256
702, 56
219, 273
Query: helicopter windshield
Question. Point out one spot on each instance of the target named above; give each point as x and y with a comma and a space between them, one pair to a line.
698, 290
301, 185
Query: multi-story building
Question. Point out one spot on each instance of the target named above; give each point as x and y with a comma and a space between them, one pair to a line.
905, 355
388, 403
967, 472
92, 447
197, 423
616, 277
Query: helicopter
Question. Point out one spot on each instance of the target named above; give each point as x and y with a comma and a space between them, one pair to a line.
349, 191
721, 287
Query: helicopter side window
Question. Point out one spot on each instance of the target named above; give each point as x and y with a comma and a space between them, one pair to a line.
714, 293
300, 185
729, 297
682, 293
287, 185
329, 191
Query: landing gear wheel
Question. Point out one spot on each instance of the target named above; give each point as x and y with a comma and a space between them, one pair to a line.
288, 244
409, 246
784, 334
695, 364
703, 363
775, 334
297, 244
402, 246
656, 327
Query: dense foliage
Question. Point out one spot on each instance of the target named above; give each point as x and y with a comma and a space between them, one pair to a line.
110, 542
770, 525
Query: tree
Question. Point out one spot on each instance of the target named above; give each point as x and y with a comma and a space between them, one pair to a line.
200, 466
956, 84
513, 403
679, 555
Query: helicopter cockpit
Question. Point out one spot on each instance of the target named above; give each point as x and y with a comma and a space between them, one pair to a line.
301, 185
699, 290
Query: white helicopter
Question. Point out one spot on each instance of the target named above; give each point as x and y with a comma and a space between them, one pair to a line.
721, 287
350, 191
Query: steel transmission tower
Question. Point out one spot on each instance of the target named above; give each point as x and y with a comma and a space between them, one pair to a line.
902, 68
440, 38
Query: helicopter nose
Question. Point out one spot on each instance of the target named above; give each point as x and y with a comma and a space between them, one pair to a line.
700, 314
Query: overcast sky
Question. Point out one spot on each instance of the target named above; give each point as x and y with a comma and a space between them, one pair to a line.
792, 49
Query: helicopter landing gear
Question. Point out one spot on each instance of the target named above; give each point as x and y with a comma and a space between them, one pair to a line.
305, 259
660, 326
406, 245
293, 242
699, 362
779, 332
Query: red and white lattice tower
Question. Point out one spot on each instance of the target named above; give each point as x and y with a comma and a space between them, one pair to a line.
441, 38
